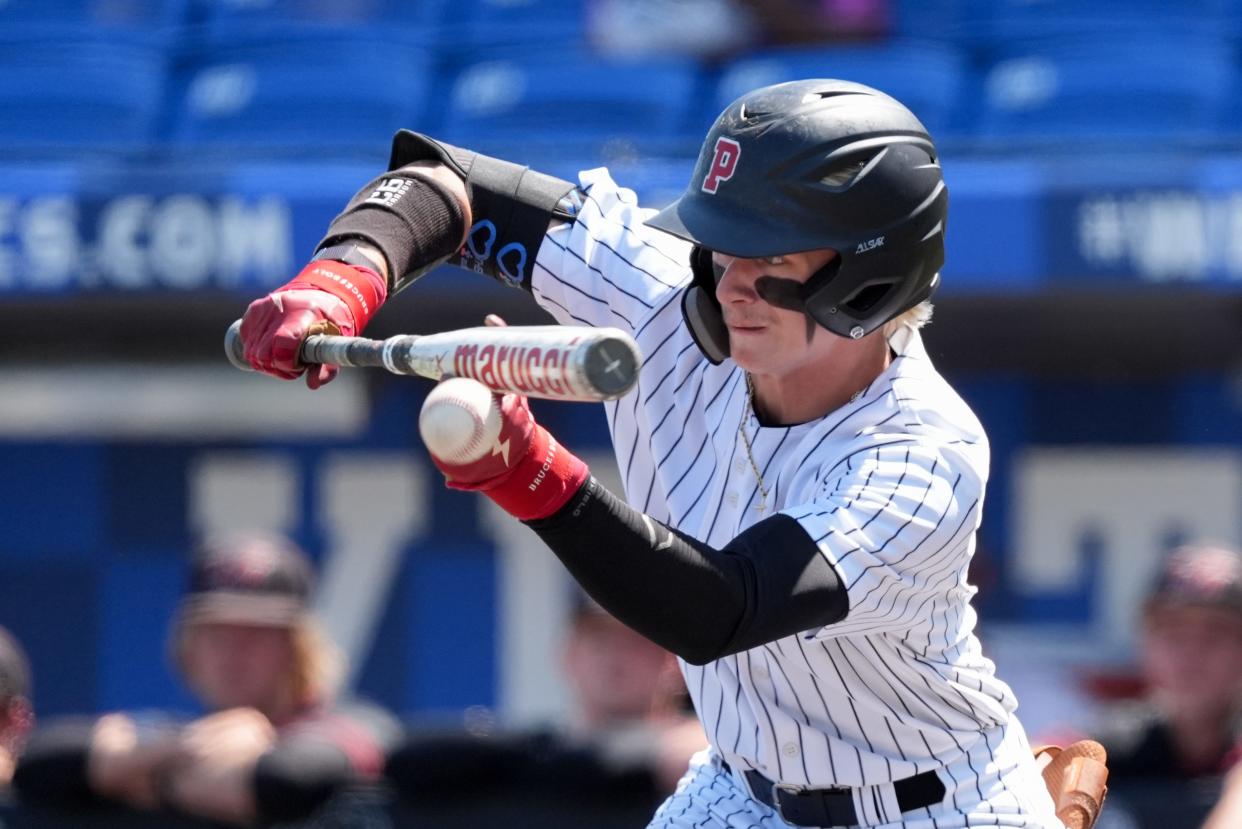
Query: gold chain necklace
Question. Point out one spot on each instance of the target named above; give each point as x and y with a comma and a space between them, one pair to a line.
750, 455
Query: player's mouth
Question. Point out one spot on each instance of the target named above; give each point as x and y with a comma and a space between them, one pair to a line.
744, 327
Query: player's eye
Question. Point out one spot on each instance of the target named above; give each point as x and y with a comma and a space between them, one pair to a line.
774, 260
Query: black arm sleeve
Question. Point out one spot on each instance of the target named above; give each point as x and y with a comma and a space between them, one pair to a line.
52, 768
295, 778
692, 599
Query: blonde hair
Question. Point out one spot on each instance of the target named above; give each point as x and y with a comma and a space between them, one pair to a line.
915, 318
318, 664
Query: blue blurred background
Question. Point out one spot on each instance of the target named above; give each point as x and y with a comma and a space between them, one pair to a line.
162, 162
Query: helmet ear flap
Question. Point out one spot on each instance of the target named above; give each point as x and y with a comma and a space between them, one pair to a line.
706, 324
701, 309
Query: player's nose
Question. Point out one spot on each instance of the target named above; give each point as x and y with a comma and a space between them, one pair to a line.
737, 282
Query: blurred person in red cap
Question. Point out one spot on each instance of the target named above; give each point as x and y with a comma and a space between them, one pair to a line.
1168, 751
16, 712
276, 743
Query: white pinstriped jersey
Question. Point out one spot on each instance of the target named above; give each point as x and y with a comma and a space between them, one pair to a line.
890, 486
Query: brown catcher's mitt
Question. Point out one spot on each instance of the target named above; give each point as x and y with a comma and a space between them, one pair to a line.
1076, 778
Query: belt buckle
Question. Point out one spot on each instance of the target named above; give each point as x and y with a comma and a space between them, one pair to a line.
791, 788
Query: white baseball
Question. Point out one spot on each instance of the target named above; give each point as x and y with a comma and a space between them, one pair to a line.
460, 420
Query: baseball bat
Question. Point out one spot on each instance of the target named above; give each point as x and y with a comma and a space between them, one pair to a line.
555, 362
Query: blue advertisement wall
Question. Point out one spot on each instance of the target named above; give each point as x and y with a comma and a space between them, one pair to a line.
1018, 226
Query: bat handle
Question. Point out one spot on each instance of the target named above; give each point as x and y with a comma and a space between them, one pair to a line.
234, 349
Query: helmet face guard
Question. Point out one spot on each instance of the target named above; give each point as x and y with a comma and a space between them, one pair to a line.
809, 165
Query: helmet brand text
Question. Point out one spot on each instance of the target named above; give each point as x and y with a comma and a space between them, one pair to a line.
870, 244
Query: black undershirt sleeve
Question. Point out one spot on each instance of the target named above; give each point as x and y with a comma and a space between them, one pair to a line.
692, 599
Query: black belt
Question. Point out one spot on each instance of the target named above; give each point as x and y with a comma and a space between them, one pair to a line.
835, 806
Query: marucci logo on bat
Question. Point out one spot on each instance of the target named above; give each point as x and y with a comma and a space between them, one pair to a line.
531, 370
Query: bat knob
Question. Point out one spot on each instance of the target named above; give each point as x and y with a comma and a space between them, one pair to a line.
612, 365
234, 348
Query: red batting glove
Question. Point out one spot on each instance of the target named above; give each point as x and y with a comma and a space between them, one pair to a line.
326, 293
528, 473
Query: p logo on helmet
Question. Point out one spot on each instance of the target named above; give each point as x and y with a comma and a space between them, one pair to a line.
724, 163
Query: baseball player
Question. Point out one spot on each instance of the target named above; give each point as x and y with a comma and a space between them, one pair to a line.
802, 488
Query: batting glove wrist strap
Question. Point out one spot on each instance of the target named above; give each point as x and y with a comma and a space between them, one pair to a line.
360, 288
528, 473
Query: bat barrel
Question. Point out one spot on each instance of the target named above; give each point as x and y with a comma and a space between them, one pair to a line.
551, 361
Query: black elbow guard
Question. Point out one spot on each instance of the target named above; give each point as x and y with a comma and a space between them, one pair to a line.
414, 221
512, 206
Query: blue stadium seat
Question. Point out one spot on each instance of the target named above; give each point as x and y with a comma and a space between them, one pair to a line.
576, 101
97, 94
1163, 86
243, 21
928, 77
932, 19
298, 94
1004, 20
44, 19
557, 24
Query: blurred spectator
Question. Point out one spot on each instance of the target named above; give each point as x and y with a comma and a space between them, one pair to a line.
276, 744
629, 692
1167, 753
630, 740
720, 28
16, 712
637, 28
793, 22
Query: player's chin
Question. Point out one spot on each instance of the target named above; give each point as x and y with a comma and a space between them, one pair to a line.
751, 356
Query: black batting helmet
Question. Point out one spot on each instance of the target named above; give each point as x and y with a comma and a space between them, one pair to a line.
807, 165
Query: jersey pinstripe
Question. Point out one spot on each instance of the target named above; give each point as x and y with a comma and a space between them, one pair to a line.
890, 486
